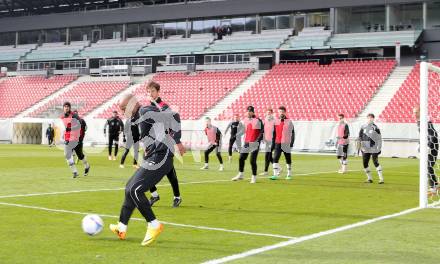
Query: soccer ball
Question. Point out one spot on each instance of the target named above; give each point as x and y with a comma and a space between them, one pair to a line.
92, 224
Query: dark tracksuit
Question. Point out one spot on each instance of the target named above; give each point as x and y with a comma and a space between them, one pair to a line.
115, 126
213, 143
131, 138
155, 126
235, 126
433, 146
254, 130
176, 135
50, 134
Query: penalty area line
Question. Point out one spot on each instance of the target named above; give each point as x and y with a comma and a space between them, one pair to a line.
298, 240
143, 220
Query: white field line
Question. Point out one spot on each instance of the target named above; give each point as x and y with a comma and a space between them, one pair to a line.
140, 219
298, 240
160, 185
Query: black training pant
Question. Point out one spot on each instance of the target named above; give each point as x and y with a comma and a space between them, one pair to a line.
172, 177
150, 173
217, 152
253, 149
280, 149
112, 138
366, 159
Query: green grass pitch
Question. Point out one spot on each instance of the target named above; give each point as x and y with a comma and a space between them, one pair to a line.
317, 199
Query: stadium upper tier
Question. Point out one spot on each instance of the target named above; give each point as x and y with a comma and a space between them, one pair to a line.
192, 95
178, 45
245, 41
113, 48
84, 97
400, 108
57, 51
11, 53
19, 93
315, 92
268, 40
374, 39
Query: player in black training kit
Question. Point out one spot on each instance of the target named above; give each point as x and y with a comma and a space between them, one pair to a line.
115, 127
131, 139
155, 127
237, 129
153, 92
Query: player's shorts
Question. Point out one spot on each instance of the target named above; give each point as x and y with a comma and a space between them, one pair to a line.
342, 151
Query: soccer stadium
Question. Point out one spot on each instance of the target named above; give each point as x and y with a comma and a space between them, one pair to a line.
219, 131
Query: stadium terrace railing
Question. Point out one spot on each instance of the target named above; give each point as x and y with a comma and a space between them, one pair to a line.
364, 59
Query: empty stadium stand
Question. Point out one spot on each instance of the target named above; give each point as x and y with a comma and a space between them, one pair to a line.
177, 45
84, 97
400, 108
19, 93
195, 93
57, 51
309, 38
315, 92
12, 53
246, 41
115, 48
374, 39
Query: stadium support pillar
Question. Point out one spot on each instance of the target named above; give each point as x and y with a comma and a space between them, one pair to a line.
387, 17
18, 65
425, 14
16, 38
124, 32
168, 59
398, 53
87, 63
332, 19
277, 56
67, 36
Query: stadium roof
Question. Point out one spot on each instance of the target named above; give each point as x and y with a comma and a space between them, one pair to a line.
38, 7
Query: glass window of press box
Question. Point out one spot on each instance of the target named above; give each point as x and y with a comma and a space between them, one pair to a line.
81, 33
30, 37
406, 17
276, 22
210, 25
433, 15
360, 19
7, 39
55, 35
112, 31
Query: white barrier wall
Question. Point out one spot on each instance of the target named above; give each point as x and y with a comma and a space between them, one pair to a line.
400, 140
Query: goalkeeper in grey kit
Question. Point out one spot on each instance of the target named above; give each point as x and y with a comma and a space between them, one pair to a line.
371, 146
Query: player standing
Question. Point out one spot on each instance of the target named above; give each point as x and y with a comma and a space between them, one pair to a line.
153, 93
283, 140
236, 126
115, 127
433, 146
50, 134
342, 141
269, 125
371, 145
73, 139
254, 130
158, 161
131, 139
214, 138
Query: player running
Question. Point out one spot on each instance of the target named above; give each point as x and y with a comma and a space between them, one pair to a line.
433, 146
236, 127
73, 139
115, 127
158, 161
342, 141
269, 125
214, 138
254, 130
371, 145
283, 140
